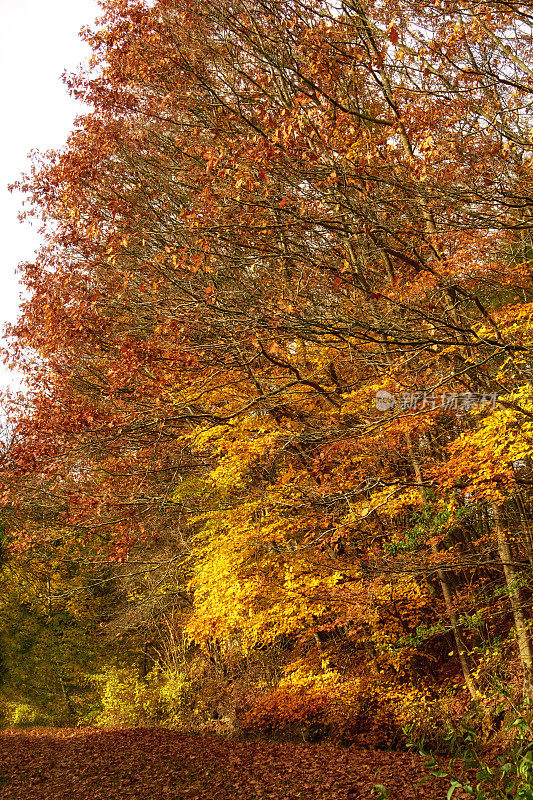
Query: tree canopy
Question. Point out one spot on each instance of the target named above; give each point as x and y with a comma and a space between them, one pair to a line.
278, 340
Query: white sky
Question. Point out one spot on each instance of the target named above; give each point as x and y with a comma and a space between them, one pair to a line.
38, 42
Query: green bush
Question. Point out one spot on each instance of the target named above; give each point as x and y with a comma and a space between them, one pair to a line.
507, 777
164, 698
177, 697
128, 699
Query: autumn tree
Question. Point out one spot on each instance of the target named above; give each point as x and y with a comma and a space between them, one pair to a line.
273, 212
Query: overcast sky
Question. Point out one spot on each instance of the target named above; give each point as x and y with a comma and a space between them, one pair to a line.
38, 41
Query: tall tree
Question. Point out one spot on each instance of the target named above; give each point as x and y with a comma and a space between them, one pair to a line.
274, 211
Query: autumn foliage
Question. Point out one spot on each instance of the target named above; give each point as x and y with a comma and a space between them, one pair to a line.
74, 764
272, 214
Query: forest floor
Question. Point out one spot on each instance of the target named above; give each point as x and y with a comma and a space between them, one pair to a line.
158, 764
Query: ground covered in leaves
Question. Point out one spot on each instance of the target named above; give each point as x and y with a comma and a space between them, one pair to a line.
150, 763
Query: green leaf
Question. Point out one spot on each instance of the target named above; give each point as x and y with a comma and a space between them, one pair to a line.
453, 786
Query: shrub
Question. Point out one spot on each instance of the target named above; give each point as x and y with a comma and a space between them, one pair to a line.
163, 698
127, 699
177, 698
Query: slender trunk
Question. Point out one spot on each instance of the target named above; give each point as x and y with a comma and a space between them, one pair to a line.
445, 586
525, 648
526, 528
66, 697
446, 590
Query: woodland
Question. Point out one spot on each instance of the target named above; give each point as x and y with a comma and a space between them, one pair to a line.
271, 474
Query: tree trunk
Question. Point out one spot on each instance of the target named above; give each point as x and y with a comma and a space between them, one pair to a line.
526, 529
446, 590
521, 625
